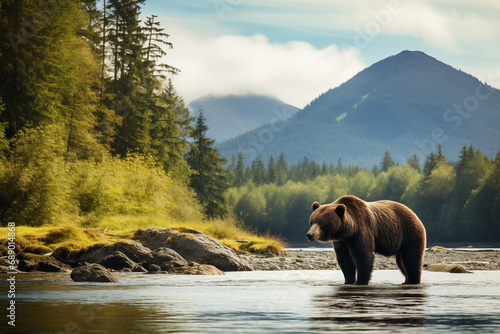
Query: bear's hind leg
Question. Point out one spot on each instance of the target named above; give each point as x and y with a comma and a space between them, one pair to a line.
345, 261
413, 264
399, 262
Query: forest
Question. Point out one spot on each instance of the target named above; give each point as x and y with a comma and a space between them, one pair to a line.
93, 133
92, 130
458, 202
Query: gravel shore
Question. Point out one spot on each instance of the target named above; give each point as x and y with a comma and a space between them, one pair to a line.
324, 259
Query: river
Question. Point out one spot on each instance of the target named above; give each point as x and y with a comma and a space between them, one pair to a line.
256, 302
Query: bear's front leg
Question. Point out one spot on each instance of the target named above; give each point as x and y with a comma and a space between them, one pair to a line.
362, 252
345, 261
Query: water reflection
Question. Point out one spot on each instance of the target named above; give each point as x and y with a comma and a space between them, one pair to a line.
256, 302
37, 317
358, 308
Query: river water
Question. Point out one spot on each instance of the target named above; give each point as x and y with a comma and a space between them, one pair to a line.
256, 302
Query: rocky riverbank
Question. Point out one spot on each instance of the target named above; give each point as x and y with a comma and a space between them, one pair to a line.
324, 259
185, 251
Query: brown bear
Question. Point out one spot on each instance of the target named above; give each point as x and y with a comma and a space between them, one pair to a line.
357, 229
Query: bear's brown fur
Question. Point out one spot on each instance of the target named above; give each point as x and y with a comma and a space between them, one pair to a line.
358, 229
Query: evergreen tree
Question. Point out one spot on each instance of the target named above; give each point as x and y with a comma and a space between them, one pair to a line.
230, 170
324, 168
387, 162
281, 170
433, 160
481, 212
239, 174
314, 170
271, 171
259, 176
339, 169
170, 126
50, 72
414, 163
209, 178
471, 168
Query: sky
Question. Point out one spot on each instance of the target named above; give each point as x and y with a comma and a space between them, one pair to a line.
296, 50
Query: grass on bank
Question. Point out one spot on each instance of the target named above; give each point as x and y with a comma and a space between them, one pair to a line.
75, 238
78, 204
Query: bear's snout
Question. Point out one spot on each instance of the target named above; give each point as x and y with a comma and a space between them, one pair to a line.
313, 233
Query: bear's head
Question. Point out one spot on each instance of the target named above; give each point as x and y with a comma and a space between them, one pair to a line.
325, 221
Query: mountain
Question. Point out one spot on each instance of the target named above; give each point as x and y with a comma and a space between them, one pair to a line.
407, 103
232, 115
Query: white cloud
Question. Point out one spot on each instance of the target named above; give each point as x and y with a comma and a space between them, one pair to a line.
423, 21
215, 57
295, 72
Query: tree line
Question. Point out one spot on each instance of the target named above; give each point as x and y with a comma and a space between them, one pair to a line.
456, 201
83, 89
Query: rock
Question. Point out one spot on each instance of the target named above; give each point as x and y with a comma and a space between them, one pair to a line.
195, 247
43, 263
437, 249
132, 249
117, 261
165, 258
445, 267
139, 269
194, 268
154, 269
5, 269
92, 273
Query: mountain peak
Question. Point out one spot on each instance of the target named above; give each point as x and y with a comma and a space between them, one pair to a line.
400, 104
231, 115
411, 54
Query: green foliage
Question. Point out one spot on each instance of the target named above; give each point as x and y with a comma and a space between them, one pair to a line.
209, 178
34, 183
39, 187
414, 163
91, 133
251, 208
4, 143
456, 202
134, 186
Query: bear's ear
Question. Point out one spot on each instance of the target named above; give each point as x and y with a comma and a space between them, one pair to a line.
340, 210
315, 206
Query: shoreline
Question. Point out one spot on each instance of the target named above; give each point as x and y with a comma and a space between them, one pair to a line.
324, 259
166, 249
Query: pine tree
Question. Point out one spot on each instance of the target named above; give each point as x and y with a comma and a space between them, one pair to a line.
414, 163
281, 170
239, 174
387, 162
50, 72
433, 161
339, 169
170, 126
209, 178
271, 171
259, 176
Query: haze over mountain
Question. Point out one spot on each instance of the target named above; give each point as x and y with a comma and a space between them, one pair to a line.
407, 103
231, 115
